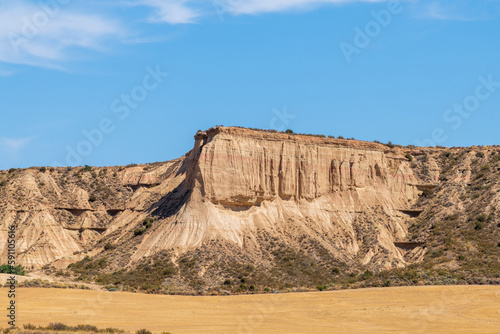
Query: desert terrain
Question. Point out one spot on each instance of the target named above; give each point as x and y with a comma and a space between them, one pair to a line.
426, 309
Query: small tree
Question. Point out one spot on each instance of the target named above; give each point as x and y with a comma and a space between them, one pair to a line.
288, 131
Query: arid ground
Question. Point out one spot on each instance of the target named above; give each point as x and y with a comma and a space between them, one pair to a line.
425, 309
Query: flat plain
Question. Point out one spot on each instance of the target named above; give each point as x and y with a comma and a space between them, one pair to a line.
425, 309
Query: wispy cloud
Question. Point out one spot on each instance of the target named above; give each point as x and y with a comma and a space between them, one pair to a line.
171, 11
272, 6
189, 11
13, 146
6, 73
457, 10
41, 36
35, 34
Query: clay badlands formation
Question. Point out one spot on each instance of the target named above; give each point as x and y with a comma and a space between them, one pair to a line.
250, 209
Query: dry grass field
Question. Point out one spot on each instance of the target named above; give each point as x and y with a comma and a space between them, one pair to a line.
426, 309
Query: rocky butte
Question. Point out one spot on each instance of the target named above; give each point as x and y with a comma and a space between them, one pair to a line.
249, 209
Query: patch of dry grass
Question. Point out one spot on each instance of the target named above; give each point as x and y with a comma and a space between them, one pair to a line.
425, 309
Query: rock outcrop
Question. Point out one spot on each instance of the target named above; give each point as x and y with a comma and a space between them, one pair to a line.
339, 193
237, 189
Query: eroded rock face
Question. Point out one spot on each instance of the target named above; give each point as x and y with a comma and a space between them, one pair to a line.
246, 169
61, 214
237, 186
335, 192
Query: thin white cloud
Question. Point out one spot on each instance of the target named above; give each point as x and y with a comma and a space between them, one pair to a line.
13, 146
457, 10
6, 73
171, 11
34, 35
188, 11
271, 6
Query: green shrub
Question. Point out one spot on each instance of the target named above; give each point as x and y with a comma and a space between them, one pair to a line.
367, 274
427, 193
86, 328
57, 326
409, 157
148, 222
43, 169
143, 331
3, 183
482, 218
139, 231
17, 270
321, 287
109, 246
87, 266
288, 131
148, 276
480, 154
92, 198
87, 168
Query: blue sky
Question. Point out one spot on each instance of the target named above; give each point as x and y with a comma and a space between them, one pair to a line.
118, 82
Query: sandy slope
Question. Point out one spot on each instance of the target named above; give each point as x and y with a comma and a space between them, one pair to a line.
432, 309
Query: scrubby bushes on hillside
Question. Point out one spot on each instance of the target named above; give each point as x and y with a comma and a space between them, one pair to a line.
17, 270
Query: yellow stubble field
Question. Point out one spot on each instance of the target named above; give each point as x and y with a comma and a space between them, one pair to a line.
426, 309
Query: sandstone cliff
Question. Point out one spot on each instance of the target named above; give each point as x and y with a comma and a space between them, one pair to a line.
240, 196
241, 181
